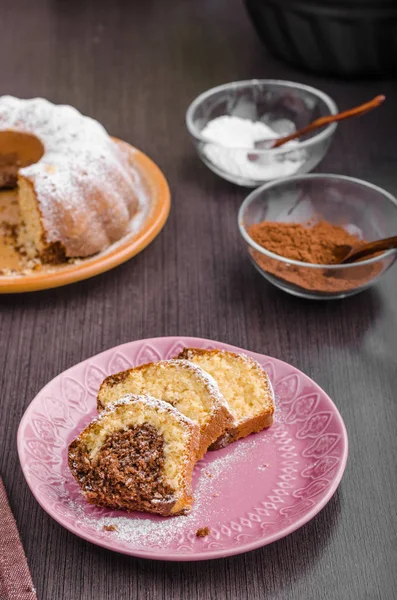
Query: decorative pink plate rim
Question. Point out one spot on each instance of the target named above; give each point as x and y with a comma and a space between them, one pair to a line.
239, 548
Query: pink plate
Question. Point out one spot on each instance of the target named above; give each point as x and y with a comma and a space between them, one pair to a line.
250, 494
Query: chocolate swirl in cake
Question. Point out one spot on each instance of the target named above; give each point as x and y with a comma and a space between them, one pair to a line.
127, 469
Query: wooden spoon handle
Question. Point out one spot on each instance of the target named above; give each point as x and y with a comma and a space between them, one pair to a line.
371, 248
322, 121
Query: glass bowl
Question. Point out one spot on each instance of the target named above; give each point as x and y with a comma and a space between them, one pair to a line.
282, 105
363, 209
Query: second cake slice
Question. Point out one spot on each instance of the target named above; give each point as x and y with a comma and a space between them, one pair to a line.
184, 385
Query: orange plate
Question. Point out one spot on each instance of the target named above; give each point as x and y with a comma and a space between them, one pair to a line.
158, 195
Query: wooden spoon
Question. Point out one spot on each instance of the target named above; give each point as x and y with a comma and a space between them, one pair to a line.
345, 254
321, 122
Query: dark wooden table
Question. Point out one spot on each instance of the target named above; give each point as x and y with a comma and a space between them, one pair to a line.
135, 67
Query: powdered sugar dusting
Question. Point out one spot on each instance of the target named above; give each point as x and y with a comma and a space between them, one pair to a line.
146, 204
154, 532
149, 401
84, 184
204, 377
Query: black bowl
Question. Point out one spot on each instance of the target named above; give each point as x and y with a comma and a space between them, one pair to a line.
339, 37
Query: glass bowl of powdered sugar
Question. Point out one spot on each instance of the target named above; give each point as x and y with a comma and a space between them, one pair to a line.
227, 123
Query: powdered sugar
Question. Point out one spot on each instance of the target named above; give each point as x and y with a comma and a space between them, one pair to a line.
84, 184
233, 136
147, 401
202, 376
25, 266
155, 532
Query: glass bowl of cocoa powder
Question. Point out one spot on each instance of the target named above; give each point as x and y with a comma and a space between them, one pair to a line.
292, 227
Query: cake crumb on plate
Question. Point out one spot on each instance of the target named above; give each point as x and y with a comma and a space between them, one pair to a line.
203, 532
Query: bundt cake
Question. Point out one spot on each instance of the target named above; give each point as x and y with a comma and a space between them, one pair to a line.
138, 454
184, 385
244, 385
76, 191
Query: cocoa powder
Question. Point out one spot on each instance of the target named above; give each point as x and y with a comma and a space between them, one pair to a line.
313, 243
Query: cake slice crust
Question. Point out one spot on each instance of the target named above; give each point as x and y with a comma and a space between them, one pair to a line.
184, 385
137, 455
245, 387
